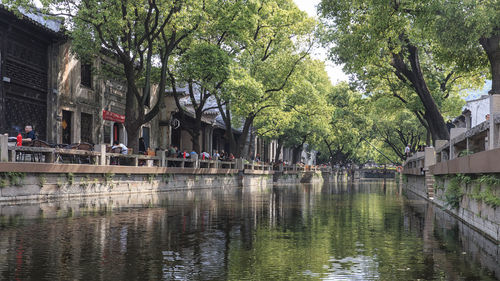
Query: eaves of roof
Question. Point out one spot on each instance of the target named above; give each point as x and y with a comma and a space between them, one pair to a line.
53, 28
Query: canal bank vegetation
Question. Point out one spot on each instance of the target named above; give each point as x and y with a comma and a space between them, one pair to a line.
12, 178
483, 188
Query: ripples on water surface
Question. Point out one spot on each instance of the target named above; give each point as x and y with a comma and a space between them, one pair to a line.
365, 231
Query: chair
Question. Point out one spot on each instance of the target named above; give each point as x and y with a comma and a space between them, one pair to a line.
85, 146
81, 159
65, 158
115, 160
37, 156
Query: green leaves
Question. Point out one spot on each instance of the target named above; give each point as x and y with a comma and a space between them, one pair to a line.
204, 63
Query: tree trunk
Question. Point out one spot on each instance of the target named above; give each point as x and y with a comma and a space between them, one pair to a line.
233, 146
414, 74
278, 150
195, 132
250, 151
133, 137
195, 140
491, 46
242, 140
134, 116
296, 154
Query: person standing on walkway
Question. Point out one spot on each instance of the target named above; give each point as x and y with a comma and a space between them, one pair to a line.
407, 151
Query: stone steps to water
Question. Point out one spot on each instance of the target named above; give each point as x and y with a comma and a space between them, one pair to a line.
429, 182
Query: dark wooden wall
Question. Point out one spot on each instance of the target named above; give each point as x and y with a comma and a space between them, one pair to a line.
24, 75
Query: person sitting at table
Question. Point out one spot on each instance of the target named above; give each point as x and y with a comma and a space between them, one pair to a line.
216, 155
117, 144
193, 155
205, 156
30, 134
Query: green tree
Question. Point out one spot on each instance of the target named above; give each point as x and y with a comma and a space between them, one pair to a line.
343, 142
202, 68
394, 126
203, 63
303, 116
468, 32
380, 41
263, 66
141, 35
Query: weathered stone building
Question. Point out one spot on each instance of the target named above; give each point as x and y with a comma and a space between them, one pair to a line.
26, 56
91, 102
45, 85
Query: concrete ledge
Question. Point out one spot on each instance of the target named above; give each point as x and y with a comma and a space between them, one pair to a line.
478, 163
257, 172
97, 169
412, 171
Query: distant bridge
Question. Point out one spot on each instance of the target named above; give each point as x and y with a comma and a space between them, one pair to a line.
377, 173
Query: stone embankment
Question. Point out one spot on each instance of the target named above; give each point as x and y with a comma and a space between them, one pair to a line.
41, 181
467, 187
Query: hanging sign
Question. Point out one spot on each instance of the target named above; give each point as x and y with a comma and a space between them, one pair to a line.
111, 116
175, 123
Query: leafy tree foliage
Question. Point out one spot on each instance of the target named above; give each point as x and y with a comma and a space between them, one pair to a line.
467, 31
303, 115
343, 143
264, 64
394, 127
381, 41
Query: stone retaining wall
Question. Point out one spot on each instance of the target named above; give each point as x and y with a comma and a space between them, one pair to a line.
416, 184
475, 245
45, 186
478, 215
66, 181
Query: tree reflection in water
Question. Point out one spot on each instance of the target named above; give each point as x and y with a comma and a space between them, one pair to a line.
360, 231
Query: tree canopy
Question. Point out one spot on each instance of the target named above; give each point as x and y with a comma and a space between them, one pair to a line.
410, 64
381, 41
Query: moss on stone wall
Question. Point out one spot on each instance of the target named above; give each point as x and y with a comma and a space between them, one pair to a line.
11, 178
483, 188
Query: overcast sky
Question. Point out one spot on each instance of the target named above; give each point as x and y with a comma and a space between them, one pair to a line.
334, 71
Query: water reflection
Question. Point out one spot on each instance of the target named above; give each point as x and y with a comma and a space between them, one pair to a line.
361, 231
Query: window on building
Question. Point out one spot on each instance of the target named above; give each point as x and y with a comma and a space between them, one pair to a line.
66, 126
86, 127
86, 75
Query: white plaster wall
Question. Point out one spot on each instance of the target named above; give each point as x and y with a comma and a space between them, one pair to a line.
479, 108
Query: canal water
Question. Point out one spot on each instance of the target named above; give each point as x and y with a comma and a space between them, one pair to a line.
361, 231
